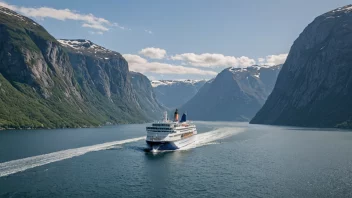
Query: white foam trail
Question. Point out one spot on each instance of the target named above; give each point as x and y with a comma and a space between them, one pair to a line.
15, 166
212, 136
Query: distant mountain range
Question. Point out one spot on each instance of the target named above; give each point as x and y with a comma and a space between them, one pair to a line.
236, 94
174, 93
45, 83
314, 88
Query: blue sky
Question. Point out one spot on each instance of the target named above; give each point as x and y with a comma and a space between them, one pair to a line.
183, 39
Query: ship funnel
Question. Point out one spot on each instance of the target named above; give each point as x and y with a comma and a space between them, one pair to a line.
184, 118
176, 116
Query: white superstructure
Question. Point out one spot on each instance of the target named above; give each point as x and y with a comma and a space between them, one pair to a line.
171, 135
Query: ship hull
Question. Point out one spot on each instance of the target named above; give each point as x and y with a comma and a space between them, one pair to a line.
171, 145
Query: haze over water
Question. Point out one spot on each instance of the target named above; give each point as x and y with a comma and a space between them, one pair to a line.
229, 159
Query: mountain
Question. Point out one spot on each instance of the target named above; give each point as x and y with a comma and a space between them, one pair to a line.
236, 94
49, 84
314, 88
105, 79
146, 97
175, 93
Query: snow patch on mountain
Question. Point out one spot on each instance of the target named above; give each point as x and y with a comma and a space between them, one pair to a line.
156, 83
83, 45
254, 71
11, 13
345, 9
248, 71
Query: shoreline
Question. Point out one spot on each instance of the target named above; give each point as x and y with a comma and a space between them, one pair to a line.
79, 127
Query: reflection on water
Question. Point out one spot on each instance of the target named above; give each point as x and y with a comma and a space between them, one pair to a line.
160, 166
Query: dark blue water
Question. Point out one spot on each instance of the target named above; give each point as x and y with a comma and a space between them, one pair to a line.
229, 160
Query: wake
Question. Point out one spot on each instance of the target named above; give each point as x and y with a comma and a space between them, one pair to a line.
15, 166
212, 137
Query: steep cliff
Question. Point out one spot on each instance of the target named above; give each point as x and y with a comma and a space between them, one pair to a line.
314, 87
45, 83
146, 97
38, 87
236, 94
105, 80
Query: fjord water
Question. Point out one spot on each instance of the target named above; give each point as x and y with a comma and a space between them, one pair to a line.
229, 160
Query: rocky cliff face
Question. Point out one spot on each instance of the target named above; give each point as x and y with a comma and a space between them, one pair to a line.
146, 97
99, 68
30, 55
104, 78
236, 94
175, 93
71, 83
37, 78
314, 87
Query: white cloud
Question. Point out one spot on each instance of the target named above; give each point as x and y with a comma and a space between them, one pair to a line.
121, 27
152, 52
148, 31
134, 59
261, 60
139, 64
273, 59
88, 20
214, 60
95, 26
98, 32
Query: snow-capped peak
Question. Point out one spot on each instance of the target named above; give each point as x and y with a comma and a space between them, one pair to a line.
253, 71
83, 45
250, 69
78, 44
244, 69
346, 9
156, 83
11, 13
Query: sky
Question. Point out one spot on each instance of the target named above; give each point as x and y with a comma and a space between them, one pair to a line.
183, 39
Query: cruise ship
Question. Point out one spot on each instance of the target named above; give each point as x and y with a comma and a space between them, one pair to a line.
171, 135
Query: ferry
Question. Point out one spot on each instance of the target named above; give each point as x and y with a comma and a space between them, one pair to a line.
171, 135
